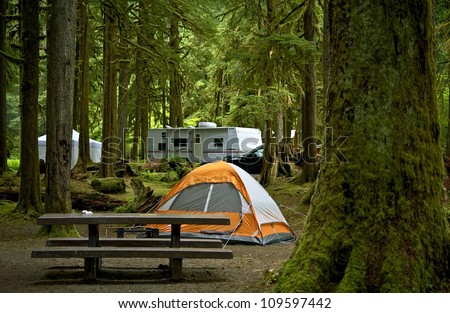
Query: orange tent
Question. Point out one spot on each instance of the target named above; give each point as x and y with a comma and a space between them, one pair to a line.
226, 189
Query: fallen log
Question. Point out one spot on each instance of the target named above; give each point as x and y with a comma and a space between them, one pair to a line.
80, 200
94, 202
144, 199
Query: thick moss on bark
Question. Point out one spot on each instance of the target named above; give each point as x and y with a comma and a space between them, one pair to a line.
376, 222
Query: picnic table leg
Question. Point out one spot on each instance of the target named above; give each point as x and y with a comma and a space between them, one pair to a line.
176, 264
92, 265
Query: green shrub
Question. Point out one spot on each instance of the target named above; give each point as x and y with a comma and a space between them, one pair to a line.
167, 177
9, 179
170, 177
14, 164
126, 208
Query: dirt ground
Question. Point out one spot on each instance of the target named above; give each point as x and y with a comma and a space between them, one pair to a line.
246, 272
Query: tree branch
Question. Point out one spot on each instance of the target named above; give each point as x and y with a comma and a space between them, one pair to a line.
10, 58
284, 20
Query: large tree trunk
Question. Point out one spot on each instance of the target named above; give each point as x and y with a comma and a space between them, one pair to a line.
122, 121
447, 150
176, 112
164, 105
30, 195
139, 93
142, 85
84, 149
3, 135
376, 222
269, 169
310, 165
110, 151
144, 128
326, 48
137, 110
124, 81
60, 90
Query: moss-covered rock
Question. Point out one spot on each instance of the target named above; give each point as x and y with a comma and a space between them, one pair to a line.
109, 185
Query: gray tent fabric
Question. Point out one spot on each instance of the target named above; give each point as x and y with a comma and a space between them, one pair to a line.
208, 198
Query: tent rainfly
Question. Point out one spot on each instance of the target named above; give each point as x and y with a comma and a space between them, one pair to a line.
95, 148
226, 189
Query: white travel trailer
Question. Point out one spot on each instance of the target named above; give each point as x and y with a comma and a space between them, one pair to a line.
205, 143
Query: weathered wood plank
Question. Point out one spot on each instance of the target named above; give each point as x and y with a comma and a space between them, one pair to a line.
132, 218
135, 242
131, 252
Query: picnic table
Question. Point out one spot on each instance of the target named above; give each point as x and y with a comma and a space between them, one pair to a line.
94, 251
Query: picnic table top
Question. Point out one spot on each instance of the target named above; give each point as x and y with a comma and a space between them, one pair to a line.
131, 218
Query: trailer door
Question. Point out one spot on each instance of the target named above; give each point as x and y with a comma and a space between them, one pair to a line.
198, 147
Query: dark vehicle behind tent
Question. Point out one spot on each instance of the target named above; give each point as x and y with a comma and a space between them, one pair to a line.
251, 161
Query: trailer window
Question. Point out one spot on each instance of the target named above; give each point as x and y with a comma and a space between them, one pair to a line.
162, 146
180, 142
218, 142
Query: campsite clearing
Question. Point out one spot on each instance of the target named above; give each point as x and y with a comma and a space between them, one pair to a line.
252, 269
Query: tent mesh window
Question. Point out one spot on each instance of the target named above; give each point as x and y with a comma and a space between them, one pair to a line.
208, 198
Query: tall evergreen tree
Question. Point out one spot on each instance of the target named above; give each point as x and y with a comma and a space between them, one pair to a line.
443, 49
176, 111
30, 187
109, 131
376, 222
310, 166
262, 79
125, 72
138, 82
61, 39
3, 135
270, 165
84, 149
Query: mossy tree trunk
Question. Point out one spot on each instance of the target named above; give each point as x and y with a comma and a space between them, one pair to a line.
3, 136
144, 128
447, 150
138, 82
376, 222
310, 166
110, 141
61, 33
146, 94
176, 110
269, 169
125, 73
29, 202
84, 149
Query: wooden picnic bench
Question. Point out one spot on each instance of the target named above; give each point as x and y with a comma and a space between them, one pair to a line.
136, 242
94, 248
